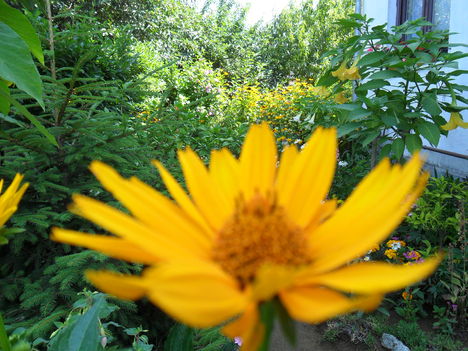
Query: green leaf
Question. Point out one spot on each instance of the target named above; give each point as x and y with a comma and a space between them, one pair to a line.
327, 80
85, 334
372, 84
385, 74
413, 143
20, 24
82, 331
398, 146
21, 109
390, 119
16, 64
370, 137
347, 107
4, 103
180, 338
430, 105
358, 113
414, 46
371, 58
347, 128
430, 131
385, 151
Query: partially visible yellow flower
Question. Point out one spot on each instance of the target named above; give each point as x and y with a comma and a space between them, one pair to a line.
375, 248
390, 253
455, 121
341, 98
252, 229
10, 198
344, 73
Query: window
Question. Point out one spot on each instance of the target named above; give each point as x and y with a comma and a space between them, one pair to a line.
435, 11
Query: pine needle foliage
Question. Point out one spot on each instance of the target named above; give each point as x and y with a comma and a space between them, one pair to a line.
91, 120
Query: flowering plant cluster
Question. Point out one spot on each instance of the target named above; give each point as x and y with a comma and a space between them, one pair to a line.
403, 82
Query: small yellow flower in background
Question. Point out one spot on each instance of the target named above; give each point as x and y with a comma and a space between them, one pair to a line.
455, 121
375, 248
390, 253
406, 296
250, 231
10, 198
341, 98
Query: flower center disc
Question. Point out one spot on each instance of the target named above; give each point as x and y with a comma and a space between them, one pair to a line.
259, 232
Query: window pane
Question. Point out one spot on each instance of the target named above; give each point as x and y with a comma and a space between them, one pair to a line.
415, 9
441, 15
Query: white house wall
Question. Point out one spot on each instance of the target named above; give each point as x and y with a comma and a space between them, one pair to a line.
384, 11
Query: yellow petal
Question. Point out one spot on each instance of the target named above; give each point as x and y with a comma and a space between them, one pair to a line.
258, 161
248, 327
317, 304
309, 179
126, 287
459, 121
224, 173
153, 209
198, 294
373, 210
128, 228
213, 207
181, 197
373, 277
108, 245
340, 73
288, 158
270, 279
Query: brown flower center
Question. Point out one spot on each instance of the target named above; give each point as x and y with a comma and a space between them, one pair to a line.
259, 232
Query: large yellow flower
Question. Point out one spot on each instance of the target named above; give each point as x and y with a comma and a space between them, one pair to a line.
455, 121
345, 73
251, 230
10, 198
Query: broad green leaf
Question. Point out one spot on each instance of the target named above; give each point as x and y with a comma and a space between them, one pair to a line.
370, 137
372, 84
430, 131
430, 105
327, 80
371, 58
180, 338
414, 46
21, 109
347, 128
4, 103
16, 64
347, 107
385, 151
398, 146
358, 113
390, 119
457, 72
413, 143
385, 74
20, 24
85, 333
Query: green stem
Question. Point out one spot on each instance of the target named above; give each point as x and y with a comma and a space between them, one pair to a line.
4, 342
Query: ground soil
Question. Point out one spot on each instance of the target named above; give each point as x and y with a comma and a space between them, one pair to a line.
309, 338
